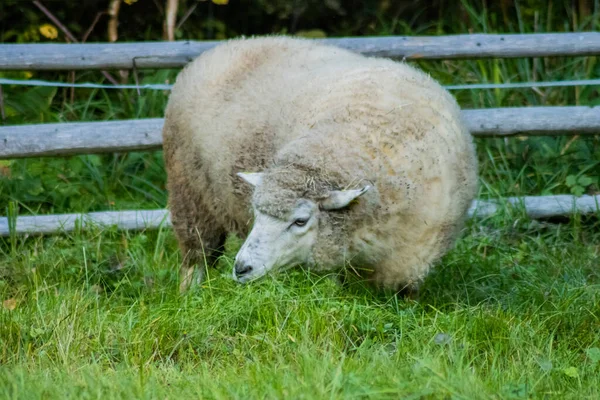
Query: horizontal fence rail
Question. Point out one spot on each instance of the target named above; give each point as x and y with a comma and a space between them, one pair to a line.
538, 206
535, 207
124, 220
35, 140
166, 87
53, 56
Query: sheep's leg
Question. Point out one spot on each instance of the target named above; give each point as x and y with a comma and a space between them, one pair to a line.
198, 254
199, 234
186, 272
200, 242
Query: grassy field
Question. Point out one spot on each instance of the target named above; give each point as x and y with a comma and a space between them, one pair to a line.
513, 311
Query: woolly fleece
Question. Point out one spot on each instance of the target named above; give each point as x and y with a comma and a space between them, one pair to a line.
315, 118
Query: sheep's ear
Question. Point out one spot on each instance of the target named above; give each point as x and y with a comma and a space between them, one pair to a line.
341, 198
253, 178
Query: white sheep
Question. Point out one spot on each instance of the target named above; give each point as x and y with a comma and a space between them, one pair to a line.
349, 161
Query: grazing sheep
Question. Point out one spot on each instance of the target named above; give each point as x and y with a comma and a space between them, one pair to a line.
347, 161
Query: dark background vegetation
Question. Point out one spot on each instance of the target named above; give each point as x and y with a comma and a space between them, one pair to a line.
143, 19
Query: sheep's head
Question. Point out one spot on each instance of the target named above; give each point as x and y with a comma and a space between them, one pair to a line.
286, 223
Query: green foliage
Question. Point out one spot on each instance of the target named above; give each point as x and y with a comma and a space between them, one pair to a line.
510, 313
578, 184
88, 183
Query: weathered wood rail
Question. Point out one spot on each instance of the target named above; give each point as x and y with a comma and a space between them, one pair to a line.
145, 134
534, 206
176, 54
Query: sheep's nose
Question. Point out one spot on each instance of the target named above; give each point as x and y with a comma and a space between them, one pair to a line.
242, 269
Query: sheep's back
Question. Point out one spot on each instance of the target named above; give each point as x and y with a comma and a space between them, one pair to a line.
249, 103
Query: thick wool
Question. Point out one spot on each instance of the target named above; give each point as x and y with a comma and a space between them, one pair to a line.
315, 118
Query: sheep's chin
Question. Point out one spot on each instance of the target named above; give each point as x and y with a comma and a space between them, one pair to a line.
263, 273
251, 277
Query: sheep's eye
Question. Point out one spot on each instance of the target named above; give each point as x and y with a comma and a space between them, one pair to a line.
300, 222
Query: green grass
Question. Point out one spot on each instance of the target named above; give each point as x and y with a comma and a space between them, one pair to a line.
512, 312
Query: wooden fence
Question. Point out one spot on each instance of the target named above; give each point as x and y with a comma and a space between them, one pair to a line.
145, 134
177, 54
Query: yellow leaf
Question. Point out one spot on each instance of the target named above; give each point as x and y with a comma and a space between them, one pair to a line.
10, 304
27, 74
49, 31
130, 2
220, 2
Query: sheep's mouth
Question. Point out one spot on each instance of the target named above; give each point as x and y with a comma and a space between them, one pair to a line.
262, 273
251, 276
